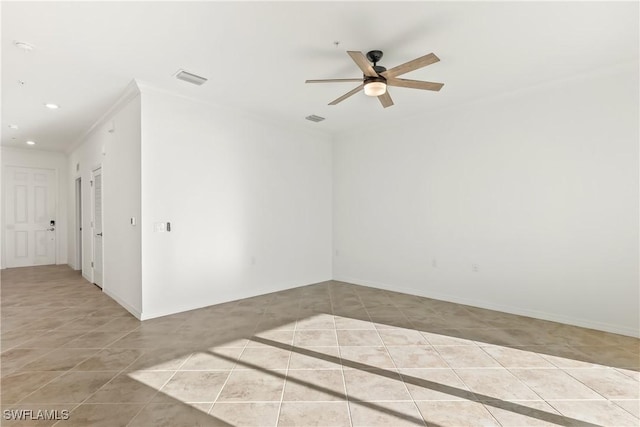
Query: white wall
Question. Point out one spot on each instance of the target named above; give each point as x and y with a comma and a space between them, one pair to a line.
33, 158
539, 188
114, 145
249, 205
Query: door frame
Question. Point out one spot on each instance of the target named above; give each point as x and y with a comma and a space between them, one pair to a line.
93, 217
78, 223
4, 236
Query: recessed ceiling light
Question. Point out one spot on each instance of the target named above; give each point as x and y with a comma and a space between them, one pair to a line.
51, 106
14, 127
27, 47
31, 143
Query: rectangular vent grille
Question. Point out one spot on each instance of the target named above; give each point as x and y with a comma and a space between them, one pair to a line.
190, 77
314, 118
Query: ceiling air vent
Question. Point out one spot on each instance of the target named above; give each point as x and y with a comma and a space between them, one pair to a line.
314, 118
190, 77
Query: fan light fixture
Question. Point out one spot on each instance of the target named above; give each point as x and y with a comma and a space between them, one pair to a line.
375, 88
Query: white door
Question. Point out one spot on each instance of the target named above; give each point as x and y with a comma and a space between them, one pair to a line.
30, 206
96, 184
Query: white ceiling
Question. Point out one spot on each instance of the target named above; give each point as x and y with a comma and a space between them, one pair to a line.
258, 55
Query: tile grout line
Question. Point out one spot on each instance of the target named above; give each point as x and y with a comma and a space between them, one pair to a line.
233, 368
550, 400
346, 390
158, 389
587, 385
286, 373
384, 344
63, 373
344, 381
375, 328
465, 384
481, 402
55, 378
512, 374
105, 384
615, 402
16, 370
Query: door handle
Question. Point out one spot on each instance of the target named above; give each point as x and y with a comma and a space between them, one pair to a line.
50, 229
99, 234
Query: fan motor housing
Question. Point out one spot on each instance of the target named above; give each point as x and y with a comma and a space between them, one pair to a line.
368, 79
374, 55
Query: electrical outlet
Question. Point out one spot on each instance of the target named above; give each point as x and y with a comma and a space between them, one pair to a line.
475, 268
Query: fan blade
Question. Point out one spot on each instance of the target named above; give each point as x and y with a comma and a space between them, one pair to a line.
385, 99
362, 62
423, 61
346, 95
415, 84
333, 80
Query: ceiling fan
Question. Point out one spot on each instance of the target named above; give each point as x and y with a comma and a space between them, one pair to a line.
376, 78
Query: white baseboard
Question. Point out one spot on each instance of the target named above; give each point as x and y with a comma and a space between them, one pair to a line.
73, 267
124, 304
145, 315
553, 317
258, 292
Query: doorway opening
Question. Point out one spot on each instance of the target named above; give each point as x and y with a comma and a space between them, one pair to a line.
96, 227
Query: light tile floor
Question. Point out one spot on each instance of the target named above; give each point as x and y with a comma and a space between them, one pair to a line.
330, 354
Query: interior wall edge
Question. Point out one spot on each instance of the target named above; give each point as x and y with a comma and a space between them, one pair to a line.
128, 94
114, 296
87, 278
